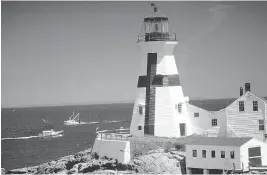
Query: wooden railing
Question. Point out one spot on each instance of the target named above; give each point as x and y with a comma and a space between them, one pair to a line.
114, 134
156, 36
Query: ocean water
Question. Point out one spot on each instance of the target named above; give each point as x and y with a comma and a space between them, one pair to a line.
21, 148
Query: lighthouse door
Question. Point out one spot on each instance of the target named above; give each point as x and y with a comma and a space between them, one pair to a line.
182, 129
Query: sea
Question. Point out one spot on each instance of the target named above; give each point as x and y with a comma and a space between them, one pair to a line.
20, 146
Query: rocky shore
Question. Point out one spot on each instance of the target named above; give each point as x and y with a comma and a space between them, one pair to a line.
156, 161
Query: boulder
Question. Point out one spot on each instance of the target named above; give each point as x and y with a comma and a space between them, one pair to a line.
158, 161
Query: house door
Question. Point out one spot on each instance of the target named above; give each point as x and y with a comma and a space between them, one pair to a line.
182, 129
254, 155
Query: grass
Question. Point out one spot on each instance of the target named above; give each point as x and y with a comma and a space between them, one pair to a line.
142, 145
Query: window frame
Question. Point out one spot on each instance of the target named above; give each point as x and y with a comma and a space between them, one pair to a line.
140, 110
195, 114
240, 106
232, 154
179, 107
222, 154
261, 125
204, 154
139, 128
194, 153
255, 105
213, 123
213, 156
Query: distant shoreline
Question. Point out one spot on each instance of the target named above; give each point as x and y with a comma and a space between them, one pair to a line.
61, 105
110, 103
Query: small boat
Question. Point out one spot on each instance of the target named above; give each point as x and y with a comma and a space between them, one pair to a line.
50, 133
73, 120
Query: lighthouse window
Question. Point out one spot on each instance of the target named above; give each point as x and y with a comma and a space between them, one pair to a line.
241, 106
139, 127
196, 114
141, 110
255, 105
214, 122
156, 27
179, 106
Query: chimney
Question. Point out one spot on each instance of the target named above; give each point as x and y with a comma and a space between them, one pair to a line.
247, 87
241, 91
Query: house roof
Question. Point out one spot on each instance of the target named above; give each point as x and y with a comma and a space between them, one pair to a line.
212, 104
217, 104
220, 141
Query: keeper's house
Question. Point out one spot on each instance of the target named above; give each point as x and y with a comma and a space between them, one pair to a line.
212, 155
245, 116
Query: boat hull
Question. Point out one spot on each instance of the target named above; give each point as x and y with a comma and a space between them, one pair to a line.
54, 134
71, 123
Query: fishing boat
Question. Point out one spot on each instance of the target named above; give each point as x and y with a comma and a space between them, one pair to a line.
50, 133
73, 120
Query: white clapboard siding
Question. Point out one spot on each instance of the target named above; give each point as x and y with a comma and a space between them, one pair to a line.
246, 123
137, 119
165, 124
201, 123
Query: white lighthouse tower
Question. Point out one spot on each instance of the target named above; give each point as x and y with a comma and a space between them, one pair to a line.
159, 108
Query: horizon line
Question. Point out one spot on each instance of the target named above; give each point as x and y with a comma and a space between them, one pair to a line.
103, 103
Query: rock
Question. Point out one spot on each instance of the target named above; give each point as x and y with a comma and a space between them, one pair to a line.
158, 162
89, 167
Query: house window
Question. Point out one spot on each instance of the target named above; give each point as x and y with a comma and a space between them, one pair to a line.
213, 154
255, 156
241, 106
194, 153
139, 127
140, 110
255, 105
196, 114
222, 154
214, 122
261, 125
232, 154
204, 153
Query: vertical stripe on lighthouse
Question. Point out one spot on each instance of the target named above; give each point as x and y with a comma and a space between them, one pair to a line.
150, 94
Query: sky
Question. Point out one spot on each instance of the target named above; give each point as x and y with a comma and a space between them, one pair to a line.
56, 53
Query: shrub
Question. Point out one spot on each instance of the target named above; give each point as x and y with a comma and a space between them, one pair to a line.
142, 145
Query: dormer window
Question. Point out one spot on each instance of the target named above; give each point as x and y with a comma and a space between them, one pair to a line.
241, 106
255, 105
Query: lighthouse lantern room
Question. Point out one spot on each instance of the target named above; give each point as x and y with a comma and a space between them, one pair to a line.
155, 27
159, 107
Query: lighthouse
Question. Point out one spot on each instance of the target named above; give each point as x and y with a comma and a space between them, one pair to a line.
160, 105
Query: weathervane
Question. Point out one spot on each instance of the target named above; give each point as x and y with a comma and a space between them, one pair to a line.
154, 6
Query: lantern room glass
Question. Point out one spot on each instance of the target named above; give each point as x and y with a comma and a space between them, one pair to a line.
157, 26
